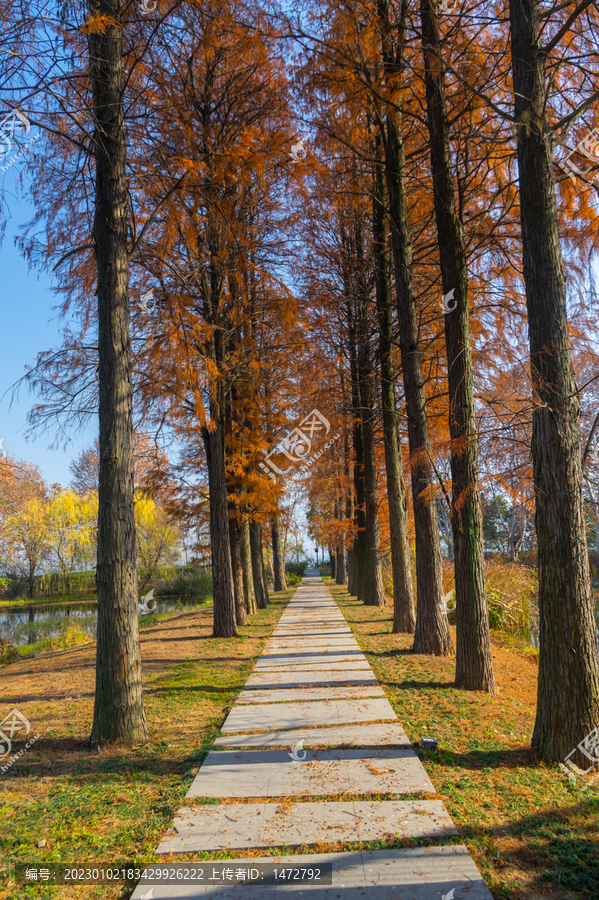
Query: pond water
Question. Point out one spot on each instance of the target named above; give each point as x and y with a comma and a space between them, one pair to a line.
22, 625
534, 629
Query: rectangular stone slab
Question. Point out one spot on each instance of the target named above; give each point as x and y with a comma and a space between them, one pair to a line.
316, 636
315, 678
263, 825
340, 641
274, 773
313, 619
333, 640
317, 667
345, 636
309, 659
313, 614
290, 649
313, 631
326, 650
289, 695
382, 735
298, 715
316, 606
303, 645
420, 873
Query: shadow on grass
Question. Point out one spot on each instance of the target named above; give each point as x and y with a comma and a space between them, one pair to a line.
550, 850
233, 690
74, 758
473, 760
418, 685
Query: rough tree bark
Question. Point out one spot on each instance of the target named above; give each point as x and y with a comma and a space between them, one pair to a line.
247, 567
119, 714
350, 504
341, 553
404, 612
374, 594
235, 540
222, 573
568, 689
341, 567
359, 545
474, 659
258, 566
263, 567
432, 633
278, 562
367, 544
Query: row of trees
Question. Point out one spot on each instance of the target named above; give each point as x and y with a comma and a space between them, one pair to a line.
166, 173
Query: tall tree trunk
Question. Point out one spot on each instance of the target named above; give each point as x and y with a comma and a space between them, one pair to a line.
278, 561
248, 569
432, 633
332, 559
359, 547
119, 714
340, 568
257, 565
235, 539
374, 594
264, 578
568, 690
474, 660
236, 429
374, 591
349, 486
222, 574
341, 565
359, 550
404, 612
445, 522
352, 569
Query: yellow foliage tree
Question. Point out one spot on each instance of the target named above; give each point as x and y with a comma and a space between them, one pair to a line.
26, 536
158, 540
72, 527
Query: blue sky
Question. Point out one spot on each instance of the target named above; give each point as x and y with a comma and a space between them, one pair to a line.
29, 324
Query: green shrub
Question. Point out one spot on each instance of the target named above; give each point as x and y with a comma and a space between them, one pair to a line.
186, 584
292, 578
296, 568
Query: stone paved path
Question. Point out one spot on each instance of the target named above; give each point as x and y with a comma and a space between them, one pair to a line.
312, 722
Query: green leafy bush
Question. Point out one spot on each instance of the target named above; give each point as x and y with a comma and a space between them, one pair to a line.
296, 568
186, 584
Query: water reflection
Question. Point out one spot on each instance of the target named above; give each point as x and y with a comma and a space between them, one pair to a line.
23, 625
